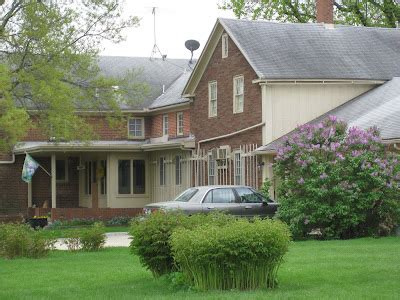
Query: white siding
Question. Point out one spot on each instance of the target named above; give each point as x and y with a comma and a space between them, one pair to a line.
285, 106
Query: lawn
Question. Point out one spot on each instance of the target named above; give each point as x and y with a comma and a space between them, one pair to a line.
63, 232
353, 269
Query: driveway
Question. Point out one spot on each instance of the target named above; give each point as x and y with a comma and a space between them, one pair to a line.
113, 239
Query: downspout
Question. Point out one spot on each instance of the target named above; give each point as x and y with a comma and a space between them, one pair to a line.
8, 161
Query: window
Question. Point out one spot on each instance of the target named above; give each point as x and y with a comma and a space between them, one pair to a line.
178, 170
131, 176
179, 123
124, 176
162, 170
186, 195
61, 170
139, 177
238, 168
238, 94
220, 196
136, 128
103, 175
212, 99
211, 169
165, 124
224, 41
88, 178
248, 196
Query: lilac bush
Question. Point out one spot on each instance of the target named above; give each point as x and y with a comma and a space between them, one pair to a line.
340, 180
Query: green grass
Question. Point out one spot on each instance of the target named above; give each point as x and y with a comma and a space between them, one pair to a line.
63, 232
353, 269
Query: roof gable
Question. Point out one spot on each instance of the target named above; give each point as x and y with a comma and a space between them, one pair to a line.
286, 51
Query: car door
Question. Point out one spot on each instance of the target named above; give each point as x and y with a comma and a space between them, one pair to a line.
254, 204
222, 199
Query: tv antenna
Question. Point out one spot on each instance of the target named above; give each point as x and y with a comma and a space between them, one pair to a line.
192, 45
156, 50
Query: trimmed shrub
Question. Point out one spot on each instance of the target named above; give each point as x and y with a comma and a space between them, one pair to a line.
337, 180
151, 237
93, 238
242, 254
20, 240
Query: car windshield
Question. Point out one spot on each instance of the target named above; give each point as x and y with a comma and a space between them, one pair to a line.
186, 195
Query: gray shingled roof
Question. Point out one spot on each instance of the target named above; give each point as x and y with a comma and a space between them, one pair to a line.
155, 73
379, 107
312, 51
173, 94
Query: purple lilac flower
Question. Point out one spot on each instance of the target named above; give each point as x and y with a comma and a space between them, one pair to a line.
300, 181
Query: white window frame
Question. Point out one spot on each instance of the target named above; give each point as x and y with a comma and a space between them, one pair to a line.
225, 43
178, 169
238, 168
165, 124
130, 136
211, 112
162, 171
179, 123
131, 183
65, 171
237, 106
212, 169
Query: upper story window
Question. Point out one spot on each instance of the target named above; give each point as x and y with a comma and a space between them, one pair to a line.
212, 99
136, 128
179, 123
224, 41
165, 124
238, 94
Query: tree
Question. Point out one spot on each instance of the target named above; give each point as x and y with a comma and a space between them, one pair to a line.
48, 69
380, 13
339, 180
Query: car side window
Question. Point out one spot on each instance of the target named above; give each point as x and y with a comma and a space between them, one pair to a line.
220, 196
246, 195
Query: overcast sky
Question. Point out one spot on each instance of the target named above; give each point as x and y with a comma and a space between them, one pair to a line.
176, 22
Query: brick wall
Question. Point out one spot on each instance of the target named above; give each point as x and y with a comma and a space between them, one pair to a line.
157, 124
95, 213
13, 191
223, 70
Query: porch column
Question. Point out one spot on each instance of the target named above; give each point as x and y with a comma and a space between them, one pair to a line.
30, 194
53, 181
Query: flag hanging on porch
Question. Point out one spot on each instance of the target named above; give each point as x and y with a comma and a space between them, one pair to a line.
30, 166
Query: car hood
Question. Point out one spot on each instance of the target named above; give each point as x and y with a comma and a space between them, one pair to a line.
168, 205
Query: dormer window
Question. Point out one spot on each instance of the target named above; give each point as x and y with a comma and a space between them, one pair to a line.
224, 45
136, 128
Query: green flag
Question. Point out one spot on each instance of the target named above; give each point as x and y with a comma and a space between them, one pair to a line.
30, 166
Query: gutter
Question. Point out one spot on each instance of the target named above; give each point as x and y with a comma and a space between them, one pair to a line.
230, 134
316, 81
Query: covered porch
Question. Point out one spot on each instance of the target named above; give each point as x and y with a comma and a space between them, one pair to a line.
99, 180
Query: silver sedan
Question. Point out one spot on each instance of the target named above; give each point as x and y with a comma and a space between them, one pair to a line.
241, 201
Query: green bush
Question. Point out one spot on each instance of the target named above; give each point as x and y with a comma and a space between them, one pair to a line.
93, 238
339, 181
73, 240
151, 237
119, 221
20, 240
242, 254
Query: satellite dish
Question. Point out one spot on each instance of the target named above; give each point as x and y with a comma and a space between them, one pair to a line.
192, 45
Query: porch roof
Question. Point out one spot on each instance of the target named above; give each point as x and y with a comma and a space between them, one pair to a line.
92, 146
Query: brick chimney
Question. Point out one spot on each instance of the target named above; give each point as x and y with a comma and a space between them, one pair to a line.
324, 10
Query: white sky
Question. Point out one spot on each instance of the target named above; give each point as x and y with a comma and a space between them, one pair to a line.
176, 22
